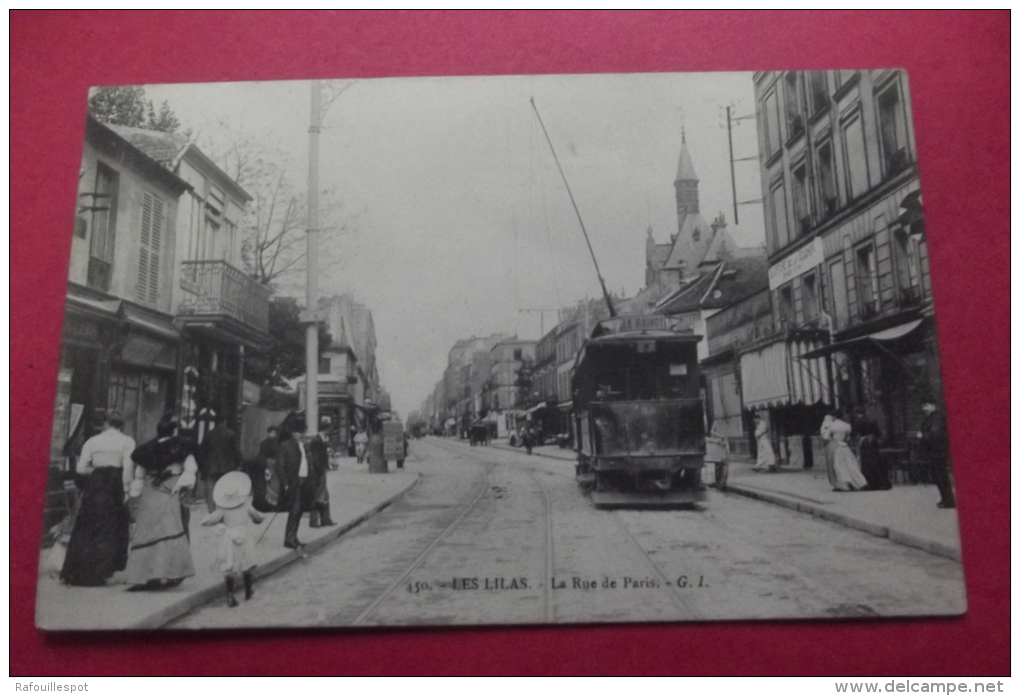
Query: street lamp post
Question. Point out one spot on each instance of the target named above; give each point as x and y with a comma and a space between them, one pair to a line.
313, 316
312, 266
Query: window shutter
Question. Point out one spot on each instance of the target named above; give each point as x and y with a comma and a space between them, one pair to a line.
149, 253
155, 249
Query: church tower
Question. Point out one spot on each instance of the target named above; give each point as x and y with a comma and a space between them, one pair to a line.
686, 186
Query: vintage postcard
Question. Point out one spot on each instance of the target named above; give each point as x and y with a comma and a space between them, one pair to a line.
499, 350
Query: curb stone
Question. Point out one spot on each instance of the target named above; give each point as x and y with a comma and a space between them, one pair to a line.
904, 538
206, 594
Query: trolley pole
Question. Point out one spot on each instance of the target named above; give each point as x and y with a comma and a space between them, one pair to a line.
312, 266
733, 174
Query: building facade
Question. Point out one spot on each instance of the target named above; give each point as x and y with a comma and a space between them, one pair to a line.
849, 271
120, 348
221, 312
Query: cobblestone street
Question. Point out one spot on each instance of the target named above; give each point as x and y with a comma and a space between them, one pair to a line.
492, 536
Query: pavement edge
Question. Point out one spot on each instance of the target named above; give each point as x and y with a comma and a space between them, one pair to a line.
206, 594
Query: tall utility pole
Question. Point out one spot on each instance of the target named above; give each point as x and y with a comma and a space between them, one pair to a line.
313, 316
730, 120
312, 265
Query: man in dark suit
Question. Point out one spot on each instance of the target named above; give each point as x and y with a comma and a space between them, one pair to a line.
294, 468
934, 446
220, 452
319, 465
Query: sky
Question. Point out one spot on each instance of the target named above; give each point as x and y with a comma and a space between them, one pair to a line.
456, 220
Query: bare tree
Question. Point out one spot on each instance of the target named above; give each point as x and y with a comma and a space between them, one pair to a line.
273, 229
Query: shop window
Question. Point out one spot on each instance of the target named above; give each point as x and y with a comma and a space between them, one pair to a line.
893, 131
794, 104
801, 206
867, 282
827, 179
819, 92
772, 137
150, 251
103, 202
856, 157
779, 220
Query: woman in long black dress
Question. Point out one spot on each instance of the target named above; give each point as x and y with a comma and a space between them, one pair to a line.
872, 466
98, 546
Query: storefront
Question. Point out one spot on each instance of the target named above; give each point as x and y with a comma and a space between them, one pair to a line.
89, 337
886, 372
143, 373
790, 389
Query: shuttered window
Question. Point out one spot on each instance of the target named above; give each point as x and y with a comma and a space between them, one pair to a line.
151, 248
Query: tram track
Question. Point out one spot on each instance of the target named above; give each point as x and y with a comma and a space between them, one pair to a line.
548, 604
841, 601
420, 560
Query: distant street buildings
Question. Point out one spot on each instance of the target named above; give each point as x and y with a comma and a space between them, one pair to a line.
834, 310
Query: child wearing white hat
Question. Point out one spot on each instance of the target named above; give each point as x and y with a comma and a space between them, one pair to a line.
232, 496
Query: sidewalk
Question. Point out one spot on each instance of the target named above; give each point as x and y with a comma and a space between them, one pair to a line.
355, 495
907, 514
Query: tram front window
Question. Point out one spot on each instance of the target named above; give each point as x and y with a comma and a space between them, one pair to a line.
647, 428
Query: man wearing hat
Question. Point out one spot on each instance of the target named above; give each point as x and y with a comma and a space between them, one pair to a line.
934, 446
295, 465
319, 516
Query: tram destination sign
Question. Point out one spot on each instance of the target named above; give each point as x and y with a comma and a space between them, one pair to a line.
649, 322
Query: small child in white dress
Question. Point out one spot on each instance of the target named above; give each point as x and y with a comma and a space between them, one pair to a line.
232, 496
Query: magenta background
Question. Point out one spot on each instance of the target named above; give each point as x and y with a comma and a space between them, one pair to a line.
959, 78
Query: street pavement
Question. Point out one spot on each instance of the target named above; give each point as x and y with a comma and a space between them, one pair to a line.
493, 536
907, 514
355, 495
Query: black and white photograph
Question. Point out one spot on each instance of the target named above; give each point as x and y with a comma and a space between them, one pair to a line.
462, 351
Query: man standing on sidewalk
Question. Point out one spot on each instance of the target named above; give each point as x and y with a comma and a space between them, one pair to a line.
319, 466
295, 466
220, 452
935, 449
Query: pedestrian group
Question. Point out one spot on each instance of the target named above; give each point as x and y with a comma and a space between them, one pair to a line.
132, 514
846, 470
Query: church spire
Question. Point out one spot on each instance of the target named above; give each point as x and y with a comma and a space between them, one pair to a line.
685, 172
686, 184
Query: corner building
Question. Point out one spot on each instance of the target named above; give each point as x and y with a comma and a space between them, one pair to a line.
848, 261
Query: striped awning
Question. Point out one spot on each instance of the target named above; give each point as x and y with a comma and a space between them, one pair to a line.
809, 380
763, 376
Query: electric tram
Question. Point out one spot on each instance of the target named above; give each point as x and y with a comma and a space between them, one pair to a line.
638, 414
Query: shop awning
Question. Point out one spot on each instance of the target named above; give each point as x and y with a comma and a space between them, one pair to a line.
809, 380
763, 376
536, 407
875, 339
104, 307
163, 328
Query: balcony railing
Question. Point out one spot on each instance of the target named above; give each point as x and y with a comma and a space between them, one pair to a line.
869, 309
910, 297
216, 287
